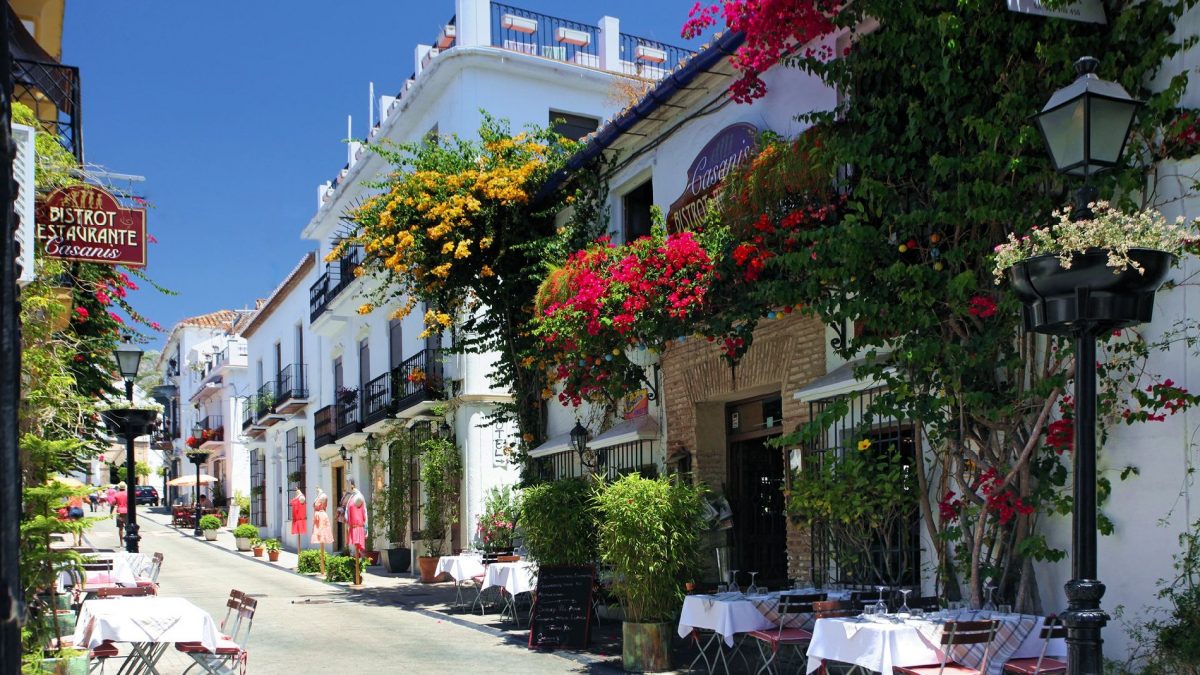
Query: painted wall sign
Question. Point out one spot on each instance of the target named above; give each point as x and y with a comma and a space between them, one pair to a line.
1087, 11
728, 148
86, 223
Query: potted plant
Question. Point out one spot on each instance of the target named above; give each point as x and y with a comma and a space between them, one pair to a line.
495, 527
209, 525
650, 535
272, 546
347, 395
1103, 270
243, 504
243, 534
256, 545
441, 468
391, 461
558, 522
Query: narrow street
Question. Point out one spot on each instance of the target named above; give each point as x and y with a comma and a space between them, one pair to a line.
307, 626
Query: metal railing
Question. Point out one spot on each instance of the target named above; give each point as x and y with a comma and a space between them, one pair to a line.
248, 413
264, 401
536, 34
346, 417
377, 399
419, 378
323, 426
52, 91
338, 275
292, 383
216, 424
650, 59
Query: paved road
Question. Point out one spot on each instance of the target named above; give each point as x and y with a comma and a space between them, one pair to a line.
306, 626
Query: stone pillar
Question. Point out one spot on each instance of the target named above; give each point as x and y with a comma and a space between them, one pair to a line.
610, 44
473, 23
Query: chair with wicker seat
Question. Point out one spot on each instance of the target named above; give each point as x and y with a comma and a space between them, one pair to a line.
958, 633
1052, 629
790, 605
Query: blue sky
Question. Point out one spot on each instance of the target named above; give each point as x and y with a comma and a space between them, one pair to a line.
235, 111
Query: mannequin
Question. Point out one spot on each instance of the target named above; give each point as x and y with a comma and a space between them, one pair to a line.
322, 532
356, 523
299, 518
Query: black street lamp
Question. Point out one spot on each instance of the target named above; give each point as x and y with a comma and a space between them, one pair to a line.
129, 357
579, 440
197, 457
1086, 125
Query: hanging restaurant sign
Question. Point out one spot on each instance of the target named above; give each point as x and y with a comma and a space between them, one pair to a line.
86, 223
726, 150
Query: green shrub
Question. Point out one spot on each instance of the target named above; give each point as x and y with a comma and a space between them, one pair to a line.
558, 521
309, 562
244, 531
210, 523
339, 568
650, 534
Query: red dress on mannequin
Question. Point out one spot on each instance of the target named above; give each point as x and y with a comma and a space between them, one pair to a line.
356, 520
299, 516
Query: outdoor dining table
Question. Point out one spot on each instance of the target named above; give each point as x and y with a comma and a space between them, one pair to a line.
733, 613
125, 570
515, 578
879, 643
150, 624
463, 567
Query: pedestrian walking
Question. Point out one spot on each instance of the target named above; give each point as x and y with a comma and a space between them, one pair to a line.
75, 514
93, 499
121, 503
111, 498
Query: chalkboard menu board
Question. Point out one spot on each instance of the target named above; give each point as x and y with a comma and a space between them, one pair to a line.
562, 612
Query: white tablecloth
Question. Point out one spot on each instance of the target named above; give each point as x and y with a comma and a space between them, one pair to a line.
460, 567
514, 577
732, 613
879, 644
126, 568
144, 619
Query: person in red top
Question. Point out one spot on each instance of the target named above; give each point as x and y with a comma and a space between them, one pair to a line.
120, 499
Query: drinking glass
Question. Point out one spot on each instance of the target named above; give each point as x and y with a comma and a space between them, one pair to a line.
733, 587
753, 589
880, 605
918, 613
904, 604
722, 588
1006, 609
989, 605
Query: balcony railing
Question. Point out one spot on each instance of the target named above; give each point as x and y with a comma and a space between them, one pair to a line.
52, 91
216, 425
377, 399
346, 416
521, 30
649, 59
323, 426
419, 378
336, 278
264, 405
291, 388
248, 414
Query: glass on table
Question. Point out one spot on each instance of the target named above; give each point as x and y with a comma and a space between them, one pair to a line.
904, 610
1006, 609
753, 588
918, 613
881, 604
989, 605
722, 588
733, 587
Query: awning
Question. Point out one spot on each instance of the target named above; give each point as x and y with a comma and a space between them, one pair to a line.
837, 382
644, 428
559, 443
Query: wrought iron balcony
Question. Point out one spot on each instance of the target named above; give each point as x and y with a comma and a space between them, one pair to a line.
650, 59
264, 405
323, 426
247, 414
291, 389
216, 425
418, 379
346, 416
337, 277
536, 34
52, 91
377, 399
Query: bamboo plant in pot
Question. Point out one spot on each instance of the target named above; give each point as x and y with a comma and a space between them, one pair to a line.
391, 462
441, 468
650, 535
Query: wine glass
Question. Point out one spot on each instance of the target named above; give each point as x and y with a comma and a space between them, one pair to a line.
880, 605
733, 587
989, 606
753, 589
904, 610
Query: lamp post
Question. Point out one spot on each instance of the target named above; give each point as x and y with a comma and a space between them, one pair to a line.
129, 357
197, 457
1086, 125
579, 440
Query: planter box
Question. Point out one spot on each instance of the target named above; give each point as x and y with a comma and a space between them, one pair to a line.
519, 24
573, 37
651, 54
446, 39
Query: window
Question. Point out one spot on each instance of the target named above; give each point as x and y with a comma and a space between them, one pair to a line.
635, 211
395, 344
337, 376
364, 365
573, 127
296, 477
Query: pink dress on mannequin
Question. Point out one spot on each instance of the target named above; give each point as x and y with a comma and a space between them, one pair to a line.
356, 520
322, 533
299, 516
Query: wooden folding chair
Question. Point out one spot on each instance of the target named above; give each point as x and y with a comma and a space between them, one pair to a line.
958, 633
123, 591
1051, 629
230, 651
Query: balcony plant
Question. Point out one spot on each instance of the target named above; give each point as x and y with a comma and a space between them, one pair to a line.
243, 534
347, 395
650, 534
272, 545
441, 469
209, 525
391, 463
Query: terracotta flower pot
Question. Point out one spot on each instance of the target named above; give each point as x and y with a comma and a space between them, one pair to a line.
258, 551
273, 556
428, 567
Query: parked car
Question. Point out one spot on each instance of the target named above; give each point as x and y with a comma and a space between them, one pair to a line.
147, 494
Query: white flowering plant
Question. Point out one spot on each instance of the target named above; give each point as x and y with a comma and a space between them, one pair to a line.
1110, 229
